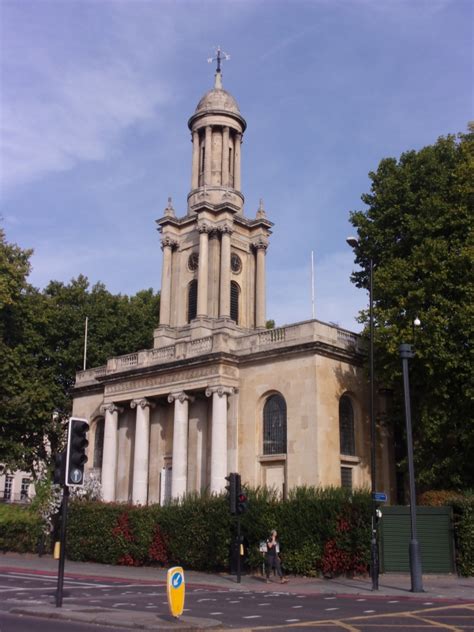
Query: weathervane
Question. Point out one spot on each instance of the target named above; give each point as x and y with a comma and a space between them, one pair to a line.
220, 56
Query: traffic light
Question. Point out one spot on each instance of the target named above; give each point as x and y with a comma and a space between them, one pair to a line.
242, 503
241, 498
76, 451
233, 489
59, 471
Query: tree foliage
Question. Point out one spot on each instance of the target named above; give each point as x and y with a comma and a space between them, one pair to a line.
417, 229
41, 348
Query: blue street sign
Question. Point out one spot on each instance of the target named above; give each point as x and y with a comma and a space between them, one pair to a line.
380, 497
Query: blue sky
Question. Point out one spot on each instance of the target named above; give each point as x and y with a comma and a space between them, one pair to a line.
96, 94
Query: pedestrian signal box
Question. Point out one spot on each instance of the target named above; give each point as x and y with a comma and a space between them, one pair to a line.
76, 457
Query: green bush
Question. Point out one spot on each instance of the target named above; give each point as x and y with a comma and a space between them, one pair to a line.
20, 529
321, 531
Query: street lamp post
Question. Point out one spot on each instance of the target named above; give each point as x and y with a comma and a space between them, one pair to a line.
374, 551
414, 550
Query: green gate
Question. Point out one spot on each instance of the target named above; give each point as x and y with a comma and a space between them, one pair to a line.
434, 532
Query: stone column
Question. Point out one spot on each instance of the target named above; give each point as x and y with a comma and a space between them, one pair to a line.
109, 459
237, 146
167, 245
208, 156
142, 447
195, 170
213, 279
219, 436
179, 476
203, 272
225, 157
224, 304
260, 247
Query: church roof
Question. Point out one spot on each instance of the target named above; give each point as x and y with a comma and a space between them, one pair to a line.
218, 99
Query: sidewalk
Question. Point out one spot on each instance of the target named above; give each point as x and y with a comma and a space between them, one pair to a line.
393, 585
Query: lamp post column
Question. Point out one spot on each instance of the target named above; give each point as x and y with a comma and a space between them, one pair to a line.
414, 550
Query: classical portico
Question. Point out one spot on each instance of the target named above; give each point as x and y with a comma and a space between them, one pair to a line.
180, 401
219, 392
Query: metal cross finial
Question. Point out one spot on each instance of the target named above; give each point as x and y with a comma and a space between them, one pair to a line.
220, 56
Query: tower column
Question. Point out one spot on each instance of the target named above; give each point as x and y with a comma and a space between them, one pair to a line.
195, 169
109, 459
208, 156
260, 247
179, 474
224, 304
142, 446
237, 146
203, 269
219, 436
225, 157
167, 245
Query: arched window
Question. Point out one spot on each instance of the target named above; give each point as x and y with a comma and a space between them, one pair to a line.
192, 300
99, 443
346, 426
274, 425
234, 301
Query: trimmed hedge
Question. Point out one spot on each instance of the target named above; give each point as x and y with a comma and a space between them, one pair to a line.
20, 529
321, 531
463, 518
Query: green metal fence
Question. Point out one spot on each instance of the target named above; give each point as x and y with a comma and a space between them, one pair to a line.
435, 535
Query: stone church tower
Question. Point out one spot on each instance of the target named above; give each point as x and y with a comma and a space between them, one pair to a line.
219, 392
213, 257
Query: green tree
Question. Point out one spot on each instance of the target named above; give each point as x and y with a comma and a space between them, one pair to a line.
41, 348
417, 229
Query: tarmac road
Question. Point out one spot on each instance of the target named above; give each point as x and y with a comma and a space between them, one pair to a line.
214, 601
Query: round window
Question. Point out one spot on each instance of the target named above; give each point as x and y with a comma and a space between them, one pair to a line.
235, 263
193, 261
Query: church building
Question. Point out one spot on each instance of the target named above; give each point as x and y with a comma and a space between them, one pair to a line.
219, 392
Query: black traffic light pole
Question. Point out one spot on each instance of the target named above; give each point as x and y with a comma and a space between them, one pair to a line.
62, 549
238, 549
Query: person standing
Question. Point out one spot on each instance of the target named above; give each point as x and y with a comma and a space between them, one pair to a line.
272, 557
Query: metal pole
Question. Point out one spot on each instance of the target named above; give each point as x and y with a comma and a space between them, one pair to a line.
374, 553
414, 550
238, 549
62, 551
85, 344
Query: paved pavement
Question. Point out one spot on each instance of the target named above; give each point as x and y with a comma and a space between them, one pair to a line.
439, 589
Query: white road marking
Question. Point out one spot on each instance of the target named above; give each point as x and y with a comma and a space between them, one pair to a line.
394, 601
328, 609
115, 605
214, 613
253, 616
206, 599
263, 604
329, 598
428, 603
296, 606
292, 620
366, 600
368, 611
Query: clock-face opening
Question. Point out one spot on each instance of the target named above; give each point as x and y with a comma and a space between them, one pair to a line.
193, 261
235, 263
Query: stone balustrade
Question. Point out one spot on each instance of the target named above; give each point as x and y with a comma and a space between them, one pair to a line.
299, 333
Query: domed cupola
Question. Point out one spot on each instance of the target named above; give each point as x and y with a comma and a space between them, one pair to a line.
217, 128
